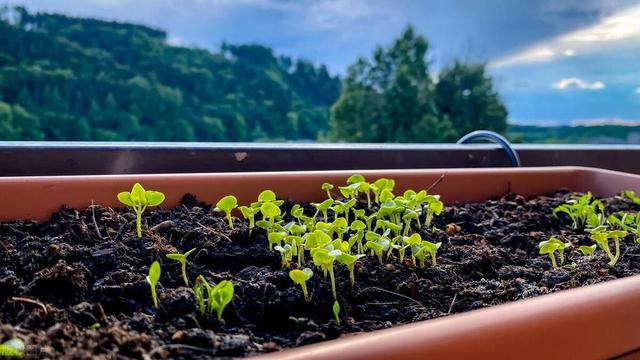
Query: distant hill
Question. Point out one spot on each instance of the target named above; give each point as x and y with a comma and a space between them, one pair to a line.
601, 134
65, 78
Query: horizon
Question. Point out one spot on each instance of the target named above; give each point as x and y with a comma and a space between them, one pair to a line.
563, 62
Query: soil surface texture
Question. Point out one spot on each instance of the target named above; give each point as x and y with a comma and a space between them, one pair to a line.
74, 287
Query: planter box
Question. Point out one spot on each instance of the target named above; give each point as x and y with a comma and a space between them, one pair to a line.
599, 321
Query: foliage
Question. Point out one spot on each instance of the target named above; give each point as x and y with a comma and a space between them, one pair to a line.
301, 277
139, 199
392, 98
217, 297
226, 205
336, 311
12, 349
601, 237
152, 280
67, 78
550, 247
182, 259
583, 210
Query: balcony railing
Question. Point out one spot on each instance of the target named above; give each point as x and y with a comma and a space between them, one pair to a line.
73, 158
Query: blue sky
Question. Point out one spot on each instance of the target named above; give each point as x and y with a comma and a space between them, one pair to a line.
553, 61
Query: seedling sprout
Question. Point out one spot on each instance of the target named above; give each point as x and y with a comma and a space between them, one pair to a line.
336, 311
139, 199
152, 280
182, 259
301, 277
226, 205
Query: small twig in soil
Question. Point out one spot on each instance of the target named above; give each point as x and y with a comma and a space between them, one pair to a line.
177, 346
455, 296
122, 228
163, 225
32, 301
95, 223
392, 293
435, 183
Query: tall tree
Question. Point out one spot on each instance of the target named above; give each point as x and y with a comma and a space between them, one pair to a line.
465, 94
392, 98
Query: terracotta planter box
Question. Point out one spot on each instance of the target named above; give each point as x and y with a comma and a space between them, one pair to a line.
594, 322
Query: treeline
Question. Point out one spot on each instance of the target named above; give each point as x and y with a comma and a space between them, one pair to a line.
597, 134
392, 97
64, 78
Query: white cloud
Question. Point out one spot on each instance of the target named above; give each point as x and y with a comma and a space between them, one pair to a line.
615, 31
577, 83
334, 14
638, 90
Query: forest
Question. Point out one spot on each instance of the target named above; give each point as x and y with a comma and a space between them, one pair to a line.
68, 78
64, 78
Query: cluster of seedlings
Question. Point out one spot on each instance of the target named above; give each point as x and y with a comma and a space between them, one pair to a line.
208, 298
589, 214
337, 232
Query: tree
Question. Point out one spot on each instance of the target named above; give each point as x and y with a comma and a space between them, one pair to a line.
465, 94
84, 79
392, 98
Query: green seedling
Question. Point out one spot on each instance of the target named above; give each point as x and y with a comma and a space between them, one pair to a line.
549, 247
348, 192
350, 262
220, 296
581, 210
270, 211
380, 185
327, 187
412, 241
360, 185
286, 252
269, 196
588, 250
339, 227
297, 212
427, 247
301, 277
275, 238
407, 217
433, 207
359, 227
628, 194
12, 349
152, 280
336, 311
200, 290
139, 199
602, 238
323, 208
249, 213
378, 244
182, 259
325, 258
226, 205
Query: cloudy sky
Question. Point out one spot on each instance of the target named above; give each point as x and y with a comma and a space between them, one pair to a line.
553, 61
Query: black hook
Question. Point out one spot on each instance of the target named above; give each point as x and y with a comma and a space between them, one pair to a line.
496, 138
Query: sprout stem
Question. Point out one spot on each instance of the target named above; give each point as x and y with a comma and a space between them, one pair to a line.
352, 274
614, 260
553, 261
184, 273
333, 283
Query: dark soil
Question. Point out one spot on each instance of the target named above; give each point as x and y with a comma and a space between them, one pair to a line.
60, 278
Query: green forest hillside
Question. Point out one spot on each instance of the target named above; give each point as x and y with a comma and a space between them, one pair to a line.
64, 78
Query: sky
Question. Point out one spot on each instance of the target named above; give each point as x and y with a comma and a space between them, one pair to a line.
552, 61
